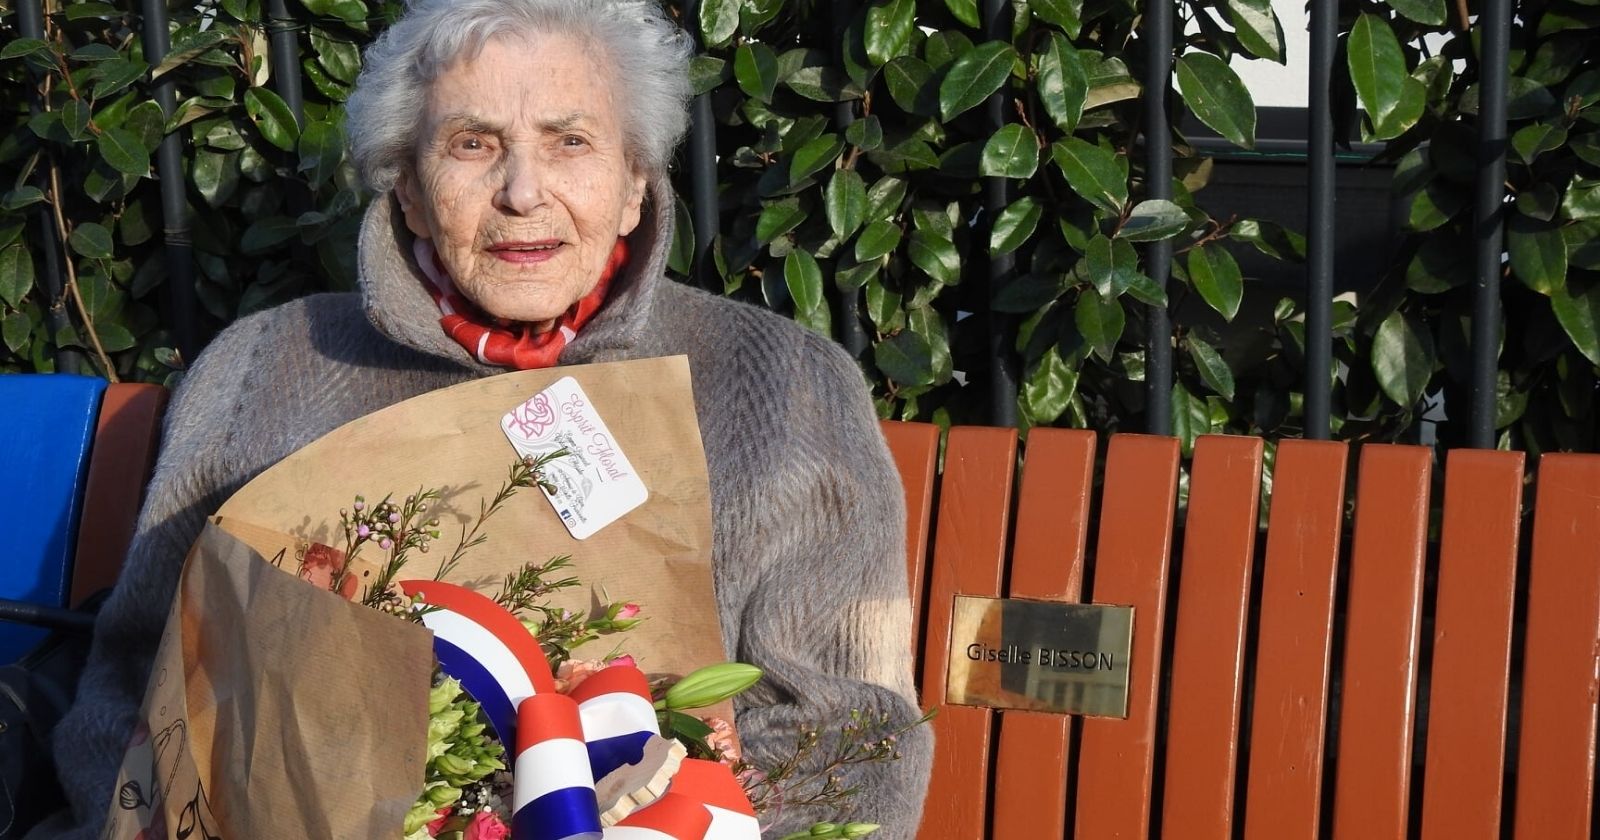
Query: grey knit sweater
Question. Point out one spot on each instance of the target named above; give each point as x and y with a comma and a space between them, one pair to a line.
806, 505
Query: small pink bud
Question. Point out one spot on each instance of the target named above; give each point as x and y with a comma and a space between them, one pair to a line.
628, 611
363, 531
624, 660
360, 506
386, 544
393, 518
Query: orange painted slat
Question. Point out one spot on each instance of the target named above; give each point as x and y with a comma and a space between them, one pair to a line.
1461, 799
915, 449
1290, 693
1378, 701
1208, 649
127, 437
968, 555
1117, 757
1031, 773
1561, 660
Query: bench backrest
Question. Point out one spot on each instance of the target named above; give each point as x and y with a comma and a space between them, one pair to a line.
1283, 700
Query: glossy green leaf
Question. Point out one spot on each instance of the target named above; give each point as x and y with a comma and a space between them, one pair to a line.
887, 34
1067, 14
885, 197
719, 19
1048, 388
1190, 418
186, 49
865, 133
975, 76
1218, 97
1213, 370
1111, 265
706, 72
1014, 225
1217, 278
1539, 201
813, 156
778, 218
15, 329
1092, 172
1152, 220
846, 202
1430, 12
1257, 27
124, 151
273, 117
16, 273
1028, 292
1393, 100
1538, 254
215, 176
1063, 84
965, 11
1533, 140
75, 118
91, 240
1403, 358
341, 58
1100, 321
936, 255
755, 67
321, 151
879, 239
906, 358
804, 278
21, 47
1577, 308
911, 85
113, 76
1581, 200
1011, 152
21, 197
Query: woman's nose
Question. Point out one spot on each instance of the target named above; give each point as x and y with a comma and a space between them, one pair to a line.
523, 190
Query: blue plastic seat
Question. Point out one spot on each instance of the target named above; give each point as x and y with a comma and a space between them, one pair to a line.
47, 424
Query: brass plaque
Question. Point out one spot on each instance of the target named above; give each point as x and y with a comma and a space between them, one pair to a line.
1007, 653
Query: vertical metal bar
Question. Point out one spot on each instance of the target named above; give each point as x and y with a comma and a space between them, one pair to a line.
851, 335
996, 195
178, 297
702, 170
1158, 184
1320, 245
30, 22
281, 27
1495, 18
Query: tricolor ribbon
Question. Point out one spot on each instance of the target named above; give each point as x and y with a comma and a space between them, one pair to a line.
567, 742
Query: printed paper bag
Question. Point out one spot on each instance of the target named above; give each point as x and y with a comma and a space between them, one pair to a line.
273, 710
658, 555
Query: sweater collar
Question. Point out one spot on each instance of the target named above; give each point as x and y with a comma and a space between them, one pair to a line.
395, 297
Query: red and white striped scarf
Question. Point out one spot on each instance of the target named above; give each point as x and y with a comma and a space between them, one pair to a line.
498, 341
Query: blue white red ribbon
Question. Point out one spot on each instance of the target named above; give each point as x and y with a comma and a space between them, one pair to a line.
565, 743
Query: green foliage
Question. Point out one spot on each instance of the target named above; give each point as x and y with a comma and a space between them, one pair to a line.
851, 158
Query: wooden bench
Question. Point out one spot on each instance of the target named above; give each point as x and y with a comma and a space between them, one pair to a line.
1291, 678
1278, 697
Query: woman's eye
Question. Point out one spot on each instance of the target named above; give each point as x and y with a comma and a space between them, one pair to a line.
573, 140
469, 144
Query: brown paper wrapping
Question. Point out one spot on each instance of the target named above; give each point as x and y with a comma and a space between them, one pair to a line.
278, 710
273, 711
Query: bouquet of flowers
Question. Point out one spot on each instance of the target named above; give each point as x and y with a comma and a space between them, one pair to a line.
463, 709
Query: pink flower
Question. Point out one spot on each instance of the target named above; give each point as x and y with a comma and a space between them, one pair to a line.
624, 660
723, 741
486, 826
628, 611
575, 671
435, 825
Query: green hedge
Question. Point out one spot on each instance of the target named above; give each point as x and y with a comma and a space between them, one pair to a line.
889, 207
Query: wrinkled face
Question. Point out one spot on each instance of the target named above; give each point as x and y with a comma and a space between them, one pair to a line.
521, 179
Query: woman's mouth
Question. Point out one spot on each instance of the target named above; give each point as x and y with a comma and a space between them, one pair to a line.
526, 252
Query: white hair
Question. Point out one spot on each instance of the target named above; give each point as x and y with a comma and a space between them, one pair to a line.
648, 54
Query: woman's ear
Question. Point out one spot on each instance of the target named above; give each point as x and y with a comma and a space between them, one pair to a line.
632, 205
405, 189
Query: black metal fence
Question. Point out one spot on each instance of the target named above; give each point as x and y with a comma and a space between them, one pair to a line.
179, 299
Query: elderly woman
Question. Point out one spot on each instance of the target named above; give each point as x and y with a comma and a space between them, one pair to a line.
518, 150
